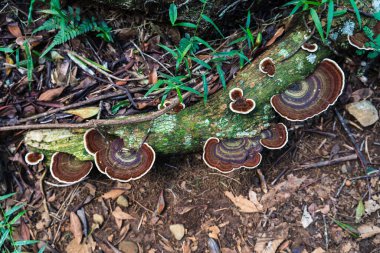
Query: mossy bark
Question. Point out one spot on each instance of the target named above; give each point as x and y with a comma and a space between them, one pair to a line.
188, 130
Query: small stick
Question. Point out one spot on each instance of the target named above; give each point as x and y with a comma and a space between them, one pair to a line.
326, 233
340, 188
327, 163
361, 157
263, 183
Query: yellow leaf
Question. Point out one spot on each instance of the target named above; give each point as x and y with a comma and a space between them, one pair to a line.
84, 113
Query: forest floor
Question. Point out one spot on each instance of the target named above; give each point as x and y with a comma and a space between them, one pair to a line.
314, 195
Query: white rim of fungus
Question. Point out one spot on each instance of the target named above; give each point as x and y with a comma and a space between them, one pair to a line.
36, 162
261, 66
308, 49
85, 142
135, 178
356, 46
328, 105
225, 172
250, 110
233, 90
63, 181
283, 145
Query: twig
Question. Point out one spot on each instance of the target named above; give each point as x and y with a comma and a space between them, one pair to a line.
327, 163
362, 159
340, 188
263, 183
222, 175
67, 107
326, 233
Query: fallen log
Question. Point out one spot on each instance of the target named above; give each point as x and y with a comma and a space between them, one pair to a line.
188, 130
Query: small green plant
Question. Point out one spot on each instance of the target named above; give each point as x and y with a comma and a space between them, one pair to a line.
317, 8
185, 55
374, 41
70, 25
8, 218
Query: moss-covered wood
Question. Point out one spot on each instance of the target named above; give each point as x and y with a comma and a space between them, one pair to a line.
187, 130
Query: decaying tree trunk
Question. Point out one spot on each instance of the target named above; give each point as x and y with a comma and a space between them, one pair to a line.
188, 130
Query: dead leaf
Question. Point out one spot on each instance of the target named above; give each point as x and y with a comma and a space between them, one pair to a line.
269, 241
85, 112
160, 204
113, 194
32, 41
361, 94
277, 34
319, 250
86, 247
76, 227
8, 60
368, 230
186, 246
214, 232
119, 214
281, 192
14, 29
244, 205
253, 198
51, 94
25, 233
153, 76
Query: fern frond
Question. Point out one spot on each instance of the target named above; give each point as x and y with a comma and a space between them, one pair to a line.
48, 25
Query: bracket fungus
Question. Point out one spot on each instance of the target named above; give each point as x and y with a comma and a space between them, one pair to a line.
34, 158
67, 169
313, 95
176, 109
117, 162
267, 66
231, 154
310, 47
239, 103
275, 137
360, 39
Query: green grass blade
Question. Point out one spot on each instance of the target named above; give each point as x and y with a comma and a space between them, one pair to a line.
203, 42
339, 13
30, 11
205, 88
357, 13
207, 19
189, 89
295, 9
4, 197
179, 94
154, 87
202, 63
18, 216
173, 14
221, 75
29, 59
186, 24
26, 242
168, 49
317, 23
13, 210
248, 21
4, 237
330, 16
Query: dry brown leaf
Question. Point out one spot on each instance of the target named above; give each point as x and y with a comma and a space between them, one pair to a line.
277, 34
51, 94
244, 205
281, 192
14, 29
186, 246
318, 250
25, 233
75, 247
269, 241
76, 227
8, 60
119, 214
85, 112
113, 194
368, 230
153, 76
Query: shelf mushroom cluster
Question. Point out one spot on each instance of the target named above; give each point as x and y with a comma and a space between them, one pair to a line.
360, 40
300, 102
110, 155
232, 154
239, 103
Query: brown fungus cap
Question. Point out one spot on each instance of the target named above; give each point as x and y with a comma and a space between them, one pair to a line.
124, 165
242, 105
34, 158
359, 39
275, 137
235, 93
313, 95
176, 109
231, 154
267, 66
94, 141
67, 169
310, 47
